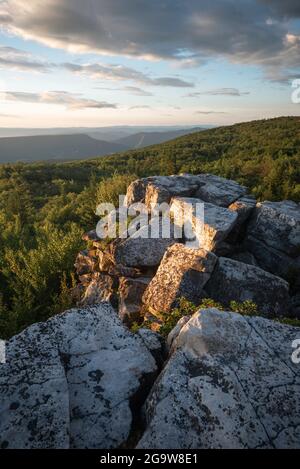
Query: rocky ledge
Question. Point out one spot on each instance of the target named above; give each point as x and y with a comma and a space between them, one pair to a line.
249, 251
83, 379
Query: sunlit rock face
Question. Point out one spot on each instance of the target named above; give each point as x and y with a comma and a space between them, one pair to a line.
183, 272
72, 382
229, 383
209, 224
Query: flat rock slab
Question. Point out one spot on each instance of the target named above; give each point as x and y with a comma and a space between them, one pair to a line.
277, 224
146, 247
229, 383
71, 382
160, 189
207, 223
183, 272
236, 281
219, 191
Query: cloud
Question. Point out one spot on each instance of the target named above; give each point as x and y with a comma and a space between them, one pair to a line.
210, 112
120, 72
139, 107
251, 31
63, 98
136, 91
16, 59
218, 92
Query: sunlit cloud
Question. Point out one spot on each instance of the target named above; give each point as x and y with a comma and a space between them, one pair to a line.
62, 98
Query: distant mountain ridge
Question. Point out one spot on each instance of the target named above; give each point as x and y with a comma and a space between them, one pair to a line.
145, 139
54, 147
76, 146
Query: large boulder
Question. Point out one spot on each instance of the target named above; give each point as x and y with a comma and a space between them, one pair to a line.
147, 246
34, 400
183, 272
160, 189
208, 223
236, 281
73, 382
229, 383
277, 224
274, 260
219, 191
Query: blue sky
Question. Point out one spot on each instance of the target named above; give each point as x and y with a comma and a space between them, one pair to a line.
134, 62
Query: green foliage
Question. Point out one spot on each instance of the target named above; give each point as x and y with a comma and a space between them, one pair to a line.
289, 321
184, 308
109, 190
247, 308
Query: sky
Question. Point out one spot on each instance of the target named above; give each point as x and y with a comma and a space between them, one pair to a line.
93, 63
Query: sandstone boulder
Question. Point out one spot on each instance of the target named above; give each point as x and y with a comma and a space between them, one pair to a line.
183, 272
236, 281
101, 288
210, 225
159, 189
277, 224
73, 382
229, 383
219, 191
146, 247
274, 260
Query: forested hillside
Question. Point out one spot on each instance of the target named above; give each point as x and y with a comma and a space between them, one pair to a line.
44, 208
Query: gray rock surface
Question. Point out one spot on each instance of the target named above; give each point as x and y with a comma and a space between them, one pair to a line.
273, 260
142, 251
159, 189
210, 225
236, 281
219, 191
183, 272
277, 224
71, 382
229, 383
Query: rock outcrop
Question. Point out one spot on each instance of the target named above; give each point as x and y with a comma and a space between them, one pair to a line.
229, 224
229, 383
73, 382
82, 380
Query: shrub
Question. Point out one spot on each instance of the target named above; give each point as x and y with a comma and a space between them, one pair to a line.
247, 308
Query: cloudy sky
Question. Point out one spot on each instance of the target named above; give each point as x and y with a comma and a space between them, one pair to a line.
113, 62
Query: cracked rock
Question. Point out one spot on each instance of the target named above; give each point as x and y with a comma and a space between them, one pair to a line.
229, 383
70, 381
